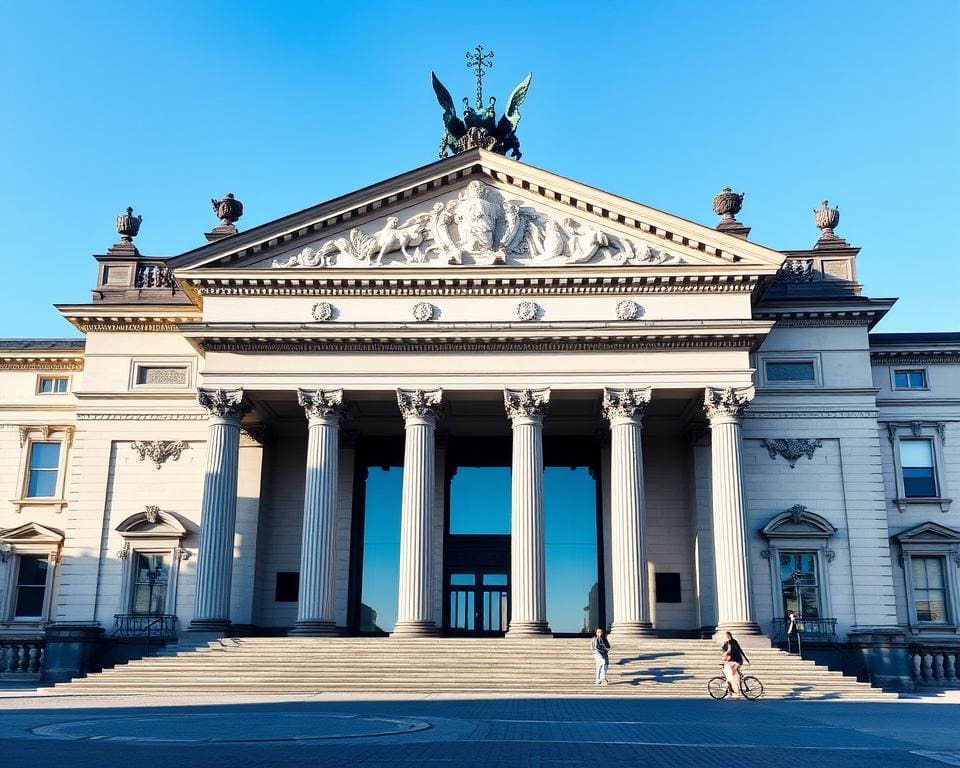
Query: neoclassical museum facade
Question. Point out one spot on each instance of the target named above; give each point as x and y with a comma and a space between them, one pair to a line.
480, 399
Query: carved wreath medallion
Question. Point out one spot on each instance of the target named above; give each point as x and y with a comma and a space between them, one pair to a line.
322, 311
528, 310
423, 311
628, 310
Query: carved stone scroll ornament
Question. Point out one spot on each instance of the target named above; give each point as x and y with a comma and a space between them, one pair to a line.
419, 403
481, 224
321, 403
625, 403
726, 403
158, 451
791, 449
526, 403
223, 403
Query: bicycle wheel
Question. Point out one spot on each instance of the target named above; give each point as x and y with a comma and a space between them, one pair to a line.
751, 687
717, 687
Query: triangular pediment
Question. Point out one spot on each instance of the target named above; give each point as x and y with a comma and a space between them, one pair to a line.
928, 533
31, 533
477, 209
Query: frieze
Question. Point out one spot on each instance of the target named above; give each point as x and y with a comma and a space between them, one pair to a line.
910, 358
41, 364
142, 417
526, 403
478, 227
755, 414
791, 449
158, 451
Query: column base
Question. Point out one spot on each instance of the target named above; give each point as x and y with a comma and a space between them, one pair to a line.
746, 632
524, 629
309, 628
415, 629
209, 625
625, 630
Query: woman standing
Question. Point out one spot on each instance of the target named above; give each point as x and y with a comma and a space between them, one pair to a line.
601, 650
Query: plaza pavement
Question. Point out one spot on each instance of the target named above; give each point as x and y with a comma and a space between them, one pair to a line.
391, 730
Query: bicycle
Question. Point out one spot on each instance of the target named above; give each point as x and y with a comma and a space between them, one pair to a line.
750, 687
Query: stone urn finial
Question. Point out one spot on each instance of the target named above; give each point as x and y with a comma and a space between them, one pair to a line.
827, 219
228, 209
727, 205
128, 226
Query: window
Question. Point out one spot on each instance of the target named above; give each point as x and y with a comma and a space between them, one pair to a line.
929, 590
910, 379
52, 385
917, 468
287, 589
42, 471
151, 578
668, 587
799, 584
31, 587
802, 371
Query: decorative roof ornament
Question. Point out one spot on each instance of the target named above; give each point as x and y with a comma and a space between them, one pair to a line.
827, 219
479, 126
727, 205
228, 209
128, 227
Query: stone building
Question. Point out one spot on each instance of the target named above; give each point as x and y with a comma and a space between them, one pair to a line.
476, 399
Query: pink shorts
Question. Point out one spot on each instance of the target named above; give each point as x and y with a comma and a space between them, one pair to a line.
732, 666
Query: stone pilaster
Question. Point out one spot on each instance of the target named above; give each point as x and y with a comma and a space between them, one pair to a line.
528, 593
724, 408
415, 607
219, 511
624, 408
317, 596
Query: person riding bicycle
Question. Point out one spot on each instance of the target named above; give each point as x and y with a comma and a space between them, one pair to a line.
733, 659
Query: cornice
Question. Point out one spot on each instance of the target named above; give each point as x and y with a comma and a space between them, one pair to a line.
113, 416
754, 413
468, 282
129, 318
41, 363
900, 357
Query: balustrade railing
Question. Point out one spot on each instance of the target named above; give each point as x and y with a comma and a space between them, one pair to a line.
155, 275
812, 630
935, 666
21, 657
149, 626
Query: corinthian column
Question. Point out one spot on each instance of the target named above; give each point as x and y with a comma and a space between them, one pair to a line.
724, 408
528, 592
219, 510
415, 608
315, 612
624, 408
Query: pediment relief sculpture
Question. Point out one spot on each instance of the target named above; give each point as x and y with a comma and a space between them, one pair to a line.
478, 227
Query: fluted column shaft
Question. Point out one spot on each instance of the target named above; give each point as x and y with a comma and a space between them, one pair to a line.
219, 509
317, 593
528, 572
415, 614
724, 408
631, 589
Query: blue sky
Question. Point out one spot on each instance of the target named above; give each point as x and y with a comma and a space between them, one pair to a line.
165, 105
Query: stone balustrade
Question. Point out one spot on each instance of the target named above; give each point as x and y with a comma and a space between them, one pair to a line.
935, 666
21, 657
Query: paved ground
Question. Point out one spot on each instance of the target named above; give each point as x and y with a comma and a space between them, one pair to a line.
295, 731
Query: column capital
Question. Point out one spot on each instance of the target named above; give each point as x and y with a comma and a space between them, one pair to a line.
625, 404
223, 403
726, 404
419, 403
526, 403
321, 404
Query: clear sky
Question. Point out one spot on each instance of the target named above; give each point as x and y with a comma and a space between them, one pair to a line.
165, 105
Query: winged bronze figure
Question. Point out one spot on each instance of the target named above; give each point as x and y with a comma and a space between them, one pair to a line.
480, 127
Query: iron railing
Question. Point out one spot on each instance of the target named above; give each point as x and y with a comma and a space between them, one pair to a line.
815, 630
151, 626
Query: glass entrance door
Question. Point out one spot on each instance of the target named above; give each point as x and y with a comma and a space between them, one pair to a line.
478, 603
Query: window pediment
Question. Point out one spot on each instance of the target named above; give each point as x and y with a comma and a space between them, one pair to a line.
928, 533
152, 523
31, 533
798, 522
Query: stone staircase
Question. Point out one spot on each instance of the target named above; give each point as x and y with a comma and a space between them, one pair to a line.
652, 668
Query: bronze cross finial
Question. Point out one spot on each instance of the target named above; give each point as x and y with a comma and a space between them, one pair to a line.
477, 61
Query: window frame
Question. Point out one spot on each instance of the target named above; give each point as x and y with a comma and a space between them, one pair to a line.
30, 540
931, 540
935, 432
790, 357
31, 434
150, 532
894, 370
41, 377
